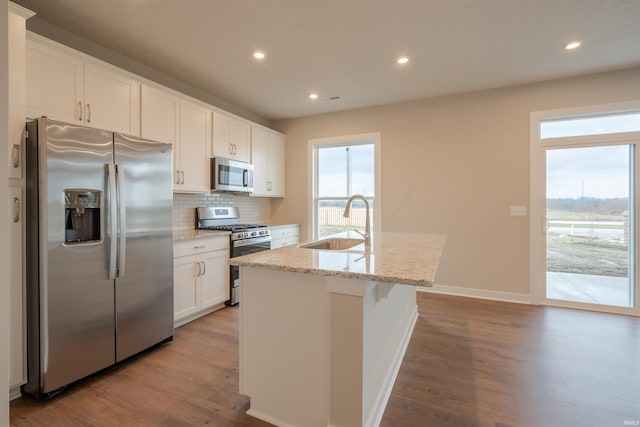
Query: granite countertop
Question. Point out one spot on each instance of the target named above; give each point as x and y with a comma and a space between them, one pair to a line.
198, 234
410, 259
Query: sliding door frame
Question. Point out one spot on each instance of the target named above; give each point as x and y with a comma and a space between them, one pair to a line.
537, 234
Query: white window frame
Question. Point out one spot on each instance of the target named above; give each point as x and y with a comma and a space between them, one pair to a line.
537, 152
374, 138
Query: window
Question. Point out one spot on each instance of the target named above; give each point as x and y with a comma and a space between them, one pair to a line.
342, 167
599, 124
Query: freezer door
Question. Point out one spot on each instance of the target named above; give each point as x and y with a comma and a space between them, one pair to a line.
76, 297
144, 283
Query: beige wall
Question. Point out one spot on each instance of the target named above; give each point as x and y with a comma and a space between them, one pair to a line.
454, 165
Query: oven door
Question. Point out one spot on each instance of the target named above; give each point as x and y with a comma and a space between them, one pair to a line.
239, 248
250, 246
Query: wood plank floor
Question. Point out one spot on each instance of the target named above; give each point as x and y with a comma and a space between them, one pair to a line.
469, 363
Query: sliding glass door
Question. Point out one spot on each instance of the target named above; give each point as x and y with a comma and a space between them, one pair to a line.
589, 244
583, 205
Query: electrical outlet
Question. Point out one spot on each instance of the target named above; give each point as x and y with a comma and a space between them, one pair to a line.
518, 211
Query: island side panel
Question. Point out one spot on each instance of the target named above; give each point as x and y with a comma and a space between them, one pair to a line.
346, 356
284, 346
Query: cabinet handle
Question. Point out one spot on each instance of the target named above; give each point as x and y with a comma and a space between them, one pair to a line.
88, 113
81, 110
177, 177
182, 175
204, 268
199, 269
15, 155
16, 209
200, 247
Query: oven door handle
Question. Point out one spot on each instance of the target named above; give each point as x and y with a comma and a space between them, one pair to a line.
251, 241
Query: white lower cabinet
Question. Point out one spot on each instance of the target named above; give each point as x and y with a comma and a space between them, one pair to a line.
284, 235
17, 375
200, 277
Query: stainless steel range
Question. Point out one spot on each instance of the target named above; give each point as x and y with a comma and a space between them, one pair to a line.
245, 238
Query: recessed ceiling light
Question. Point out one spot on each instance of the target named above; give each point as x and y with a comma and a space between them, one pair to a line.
258, 54
403, 60
574, 44
313, 96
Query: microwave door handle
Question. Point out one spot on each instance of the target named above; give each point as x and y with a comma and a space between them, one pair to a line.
245, 178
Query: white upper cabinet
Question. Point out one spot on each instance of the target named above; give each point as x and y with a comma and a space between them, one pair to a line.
231, 137
191, 157
112, 100
267, 156
62, 85
55, 83
158, 115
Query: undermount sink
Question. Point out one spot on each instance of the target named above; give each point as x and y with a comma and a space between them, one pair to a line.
333, 244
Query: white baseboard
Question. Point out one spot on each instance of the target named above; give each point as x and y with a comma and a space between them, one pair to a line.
15, 393
478, 293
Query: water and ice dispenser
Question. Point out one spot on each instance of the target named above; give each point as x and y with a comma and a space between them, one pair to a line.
82, 216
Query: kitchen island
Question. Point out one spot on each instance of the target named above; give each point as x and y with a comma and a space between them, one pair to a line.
323, 332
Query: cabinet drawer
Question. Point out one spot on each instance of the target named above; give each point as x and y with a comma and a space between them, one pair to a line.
196, 246
285, 232
285, 241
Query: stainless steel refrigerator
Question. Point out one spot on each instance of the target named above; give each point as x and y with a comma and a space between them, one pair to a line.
99, 251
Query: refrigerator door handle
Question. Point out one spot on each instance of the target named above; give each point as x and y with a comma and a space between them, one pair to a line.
122, 221
113, 223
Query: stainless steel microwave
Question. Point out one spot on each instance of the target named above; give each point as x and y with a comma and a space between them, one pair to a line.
231, 175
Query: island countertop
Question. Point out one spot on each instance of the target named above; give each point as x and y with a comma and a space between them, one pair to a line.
409, 259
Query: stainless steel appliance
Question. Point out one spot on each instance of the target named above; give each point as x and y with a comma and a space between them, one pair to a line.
245, 238
99, 251
231, 175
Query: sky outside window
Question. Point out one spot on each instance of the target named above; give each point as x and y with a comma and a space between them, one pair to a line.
599, 172
346, 170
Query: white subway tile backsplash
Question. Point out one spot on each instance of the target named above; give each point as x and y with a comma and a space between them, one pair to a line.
252, 209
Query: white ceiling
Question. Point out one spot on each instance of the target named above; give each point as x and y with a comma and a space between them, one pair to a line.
348, 48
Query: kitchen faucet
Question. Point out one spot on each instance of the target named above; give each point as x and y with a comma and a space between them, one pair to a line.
367, 227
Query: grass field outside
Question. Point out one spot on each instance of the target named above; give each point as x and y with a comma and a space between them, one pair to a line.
587, 243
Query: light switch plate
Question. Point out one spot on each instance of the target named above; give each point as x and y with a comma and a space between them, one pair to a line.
518, 211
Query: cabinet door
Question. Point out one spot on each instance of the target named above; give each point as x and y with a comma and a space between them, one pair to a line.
259, 158
222, 136
186, 295
55, 83
231, 138
159, 121
112, 100
195, 138
16, 293
276, 166
240, 140
158, 115
214, 283
267, 156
